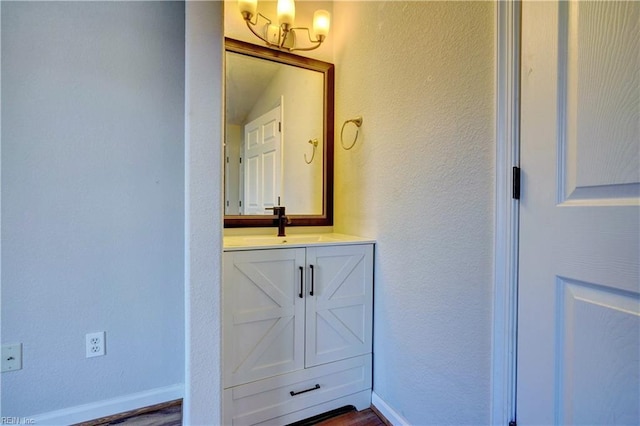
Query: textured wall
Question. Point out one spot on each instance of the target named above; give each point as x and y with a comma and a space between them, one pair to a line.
92, 199
203, 251
420, 181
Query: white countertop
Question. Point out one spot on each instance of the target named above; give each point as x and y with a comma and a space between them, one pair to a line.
250, 242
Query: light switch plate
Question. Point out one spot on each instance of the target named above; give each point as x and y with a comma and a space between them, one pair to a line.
12, 357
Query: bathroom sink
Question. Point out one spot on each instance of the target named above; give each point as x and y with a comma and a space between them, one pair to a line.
289, 240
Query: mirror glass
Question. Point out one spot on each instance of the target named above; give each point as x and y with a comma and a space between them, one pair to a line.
278, 136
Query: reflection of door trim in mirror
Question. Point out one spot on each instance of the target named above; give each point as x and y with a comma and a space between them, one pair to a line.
327, 69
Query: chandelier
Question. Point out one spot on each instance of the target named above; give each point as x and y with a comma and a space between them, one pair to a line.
283, 34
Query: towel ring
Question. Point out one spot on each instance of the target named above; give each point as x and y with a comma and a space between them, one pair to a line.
313, 142
358, 122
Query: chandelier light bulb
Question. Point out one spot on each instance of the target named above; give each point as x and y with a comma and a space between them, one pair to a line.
249, 7
321, 23
286, 12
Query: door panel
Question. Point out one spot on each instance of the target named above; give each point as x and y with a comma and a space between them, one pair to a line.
579, 280
262, 305
339, 313
598, 98
270, 179
598, 360
263, 159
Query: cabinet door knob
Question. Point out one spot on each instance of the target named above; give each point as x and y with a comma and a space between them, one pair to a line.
312, 279
301, 295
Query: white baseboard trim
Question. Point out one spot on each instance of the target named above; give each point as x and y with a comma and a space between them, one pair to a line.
388, 412
109, 407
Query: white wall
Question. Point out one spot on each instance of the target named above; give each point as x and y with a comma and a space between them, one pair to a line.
420, 181
92, 199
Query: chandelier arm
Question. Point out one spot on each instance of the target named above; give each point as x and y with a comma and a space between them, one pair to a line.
308, 34
284, 38
317, 42
251, 26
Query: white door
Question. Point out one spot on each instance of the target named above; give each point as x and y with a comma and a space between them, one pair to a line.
579, 286
262, 314
339, 296
262, 162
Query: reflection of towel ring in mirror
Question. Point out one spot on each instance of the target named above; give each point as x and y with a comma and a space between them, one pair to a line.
358, 122
313, 142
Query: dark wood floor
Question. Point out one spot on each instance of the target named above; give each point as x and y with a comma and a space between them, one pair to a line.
170, 414
355, 418
167, 414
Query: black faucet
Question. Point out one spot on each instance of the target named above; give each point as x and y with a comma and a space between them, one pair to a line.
281, 219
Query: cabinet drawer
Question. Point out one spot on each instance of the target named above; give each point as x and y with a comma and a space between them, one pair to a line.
270, 398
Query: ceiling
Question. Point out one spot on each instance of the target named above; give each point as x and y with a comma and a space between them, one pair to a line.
246, 79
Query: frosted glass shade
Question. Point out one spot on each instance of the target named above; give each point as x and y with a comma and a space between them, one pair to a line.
321, 22
248, 6
286, 12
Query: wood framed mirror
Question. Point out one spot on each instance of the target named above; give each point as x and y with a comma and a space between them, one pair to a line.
279, 137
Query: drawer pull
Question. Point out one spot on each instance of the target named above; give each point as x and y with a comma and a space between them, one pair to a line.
317, 386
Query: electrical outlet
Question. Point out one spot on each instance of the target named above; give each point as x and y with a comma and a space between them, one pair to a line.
95, 344
12, 357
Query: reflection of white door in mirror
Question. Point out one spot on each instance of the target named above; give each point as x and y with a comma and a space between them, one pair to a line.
262, 163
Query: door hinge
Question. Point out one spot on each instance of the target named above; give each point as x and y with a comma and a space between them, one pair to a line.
280, 126
516, 183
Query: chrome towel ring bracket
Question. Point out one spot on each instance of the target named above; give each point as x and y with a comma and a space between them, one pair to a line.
358, 122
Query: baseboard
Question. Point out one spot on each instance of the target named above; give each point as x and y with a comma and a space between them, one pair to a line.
109, 407
389, 413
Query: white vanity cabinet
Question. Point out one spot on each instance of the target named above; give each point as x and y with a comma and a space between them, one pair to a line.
297, 331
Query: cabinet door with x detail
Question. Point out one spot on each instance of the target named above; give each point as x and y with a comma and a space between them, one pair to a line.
263, 314
338, 303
